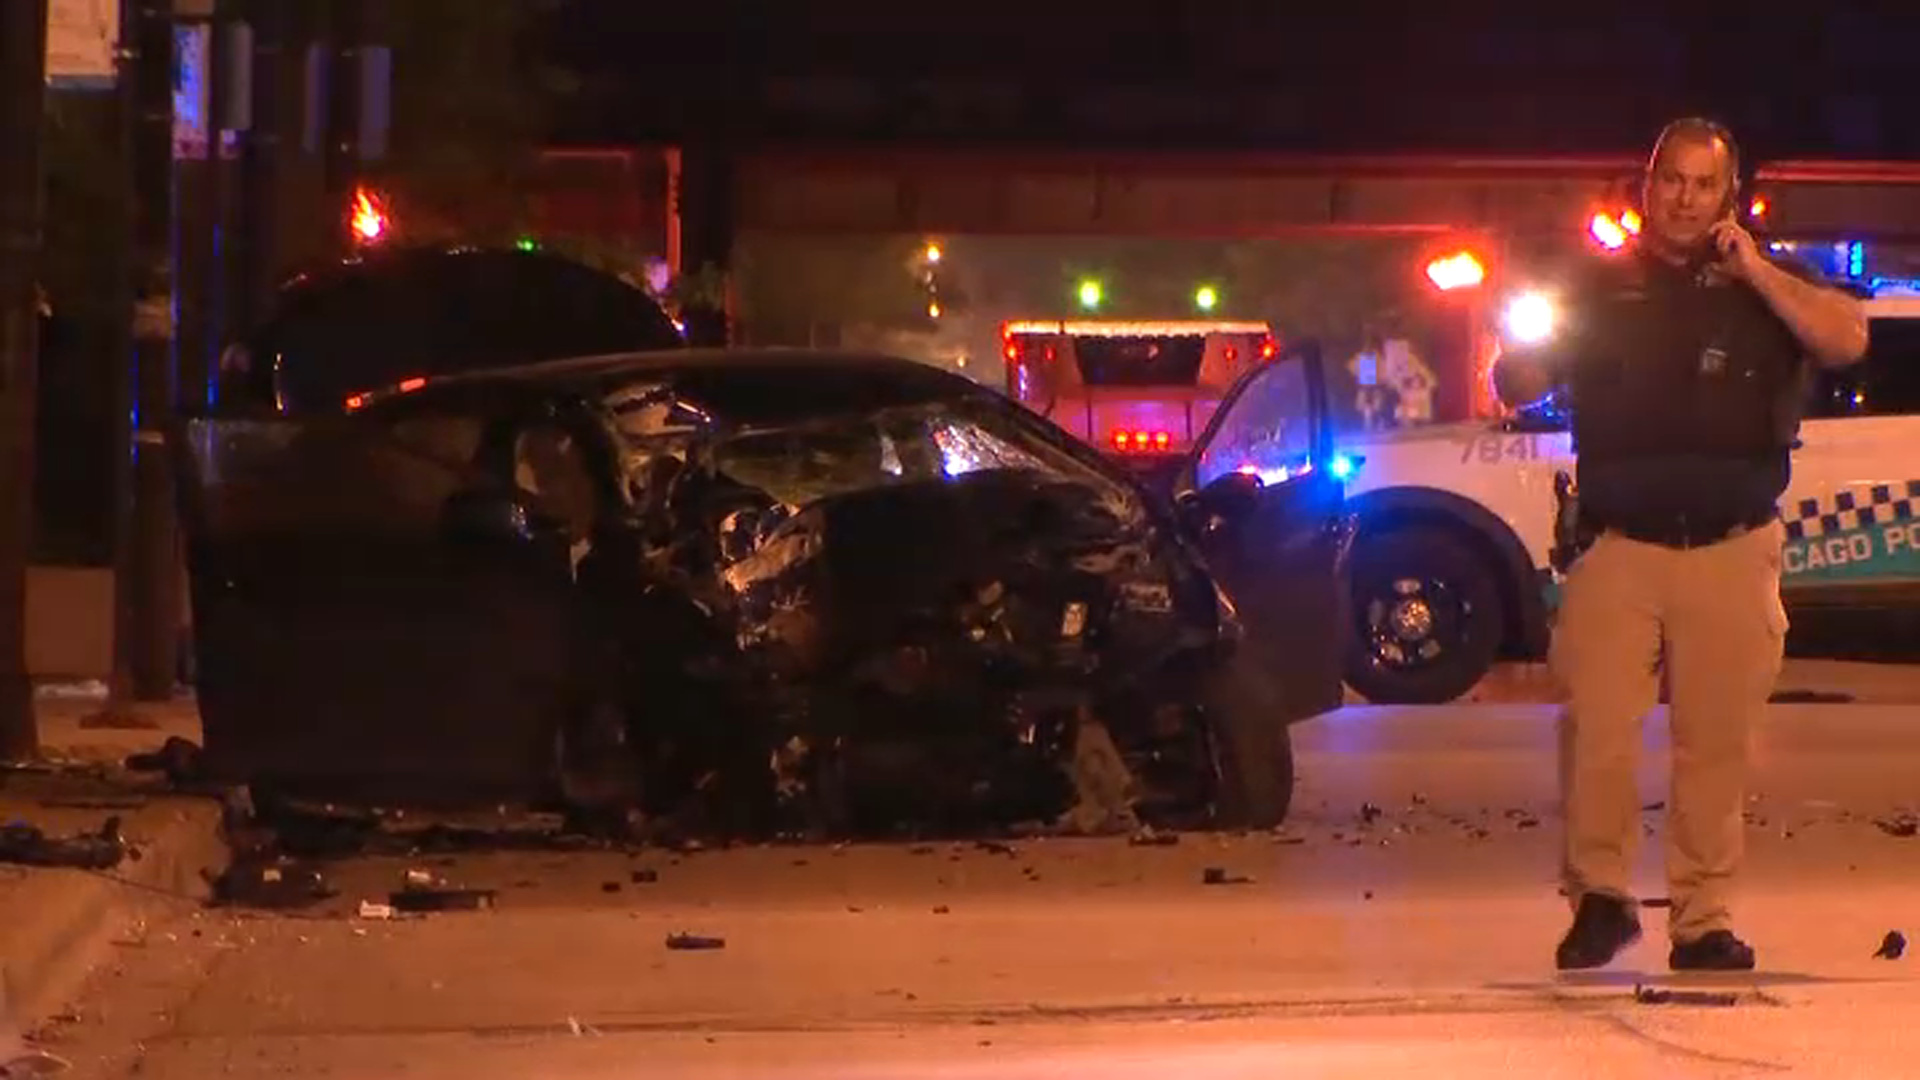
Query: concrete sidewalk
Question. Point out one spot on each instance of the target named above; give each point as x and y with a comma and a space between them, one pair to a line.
56, 925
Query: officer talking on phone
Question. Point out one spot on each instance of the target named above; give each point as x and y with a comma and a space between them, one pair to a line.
1684, 360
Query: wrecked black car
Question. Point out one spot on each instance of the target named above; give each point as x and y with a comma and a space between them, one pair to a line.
763, 593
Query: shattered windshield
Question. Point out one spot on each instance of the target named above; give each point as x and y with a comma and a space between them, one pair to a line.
804, 463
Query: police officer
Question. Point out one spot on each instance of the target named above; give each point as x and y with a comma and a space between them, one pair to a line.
1684, 361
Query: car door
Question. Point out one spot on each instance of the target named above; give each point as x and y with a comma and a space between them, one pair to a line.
368, 622
1268, 512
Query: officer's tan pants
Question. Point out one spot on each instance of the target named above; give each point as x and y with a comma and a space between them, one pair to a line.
1717, 611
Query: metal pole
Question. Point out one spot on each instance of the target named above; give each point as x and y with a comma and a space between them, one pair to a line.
23, 58
340, 157
148, 639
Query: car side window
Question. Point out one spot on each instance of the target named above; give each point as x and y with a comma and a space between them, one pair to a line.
370, 475
1886, 383
1267, 429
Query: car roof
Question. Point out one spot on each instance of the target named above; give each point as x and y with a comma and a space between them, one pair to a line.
754, 386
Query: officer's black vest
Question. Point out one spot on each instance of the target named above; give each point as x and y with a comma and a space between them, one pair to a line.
1668, 365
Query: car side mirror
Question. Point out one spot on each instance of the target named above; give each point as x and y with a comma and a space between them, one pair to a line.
1227, 497
488, 516
1231, 495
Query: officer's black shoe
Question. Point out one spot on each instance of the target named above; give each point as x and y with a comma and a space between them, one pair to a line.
1715, 950
1602, 926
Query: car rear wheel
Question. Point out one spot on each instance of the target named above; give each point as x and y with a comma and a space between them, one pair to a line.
1428, 619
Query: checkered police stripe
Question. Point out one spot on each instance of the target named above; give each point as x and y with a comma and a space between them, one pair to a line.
1808, 519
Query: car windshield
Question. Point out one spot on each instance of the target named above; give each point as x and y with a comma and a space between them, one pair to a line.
804, 463
820, 457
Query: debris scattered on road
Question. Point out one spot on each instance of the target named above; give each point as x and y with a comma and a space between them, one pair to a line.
694, 942
177, 758
1147, 837
419, 879
1892, 947
1218, 875
28, 846
1369, 813
996, 847
424, 900
1368, 895
1904, 824
920, 849
277, 884
609, 886
941, 909
1653, 995
1659, 804
1526, 822
372, 910
1657, 902
645, 876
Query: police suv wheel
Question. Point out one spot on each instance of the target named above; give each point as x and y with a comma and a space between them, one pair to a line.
1427, 613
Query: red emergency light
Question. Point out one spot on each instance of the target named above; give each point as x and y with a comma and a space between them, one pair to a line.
1140, 442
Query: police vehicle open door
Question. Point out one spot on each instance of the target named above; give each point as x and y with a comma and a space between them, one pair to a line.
1266, 504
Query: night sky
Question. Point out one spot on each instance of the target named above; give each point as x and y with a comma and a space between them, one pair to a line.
1822, 79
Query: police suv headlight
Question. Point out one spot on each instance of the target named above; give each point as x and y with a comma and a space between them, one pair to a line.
1530, 318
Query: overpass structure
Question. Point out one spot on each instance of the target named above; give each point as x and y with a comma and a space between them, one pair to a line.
689, 207
1262, 194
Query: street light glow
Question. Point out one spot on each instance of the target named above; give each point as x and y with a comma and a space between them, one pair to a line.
1206, 297
1091, 294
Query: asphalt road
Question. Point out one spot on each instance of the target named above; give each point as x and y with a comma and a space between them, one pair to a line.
1403, 924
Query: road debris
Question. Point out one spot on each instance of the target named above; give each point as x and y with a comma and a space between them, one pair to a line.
279, 884
1218, 875
1653, 995
1904, 824
178, 759
694, 942
371, 910
645, 876
27, 845
1369, 813
413, 901
1892, 947
1148, 837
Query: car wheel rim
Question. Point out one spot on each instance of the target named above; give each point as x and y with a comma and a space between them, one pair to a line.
1411, 624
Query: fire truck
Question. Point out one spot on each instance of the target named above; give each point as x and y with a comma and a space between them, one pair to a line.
1140, 391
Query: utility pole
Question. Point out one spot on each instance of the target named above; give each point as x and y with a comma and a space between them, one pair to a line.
23, 88
147, 577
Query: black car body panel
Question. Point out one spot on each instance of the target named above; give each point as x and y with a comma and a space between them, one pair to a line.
752, 591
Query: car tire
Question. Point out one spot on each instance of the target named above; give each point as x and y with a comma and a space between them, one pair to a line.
1428, 618
1253, 749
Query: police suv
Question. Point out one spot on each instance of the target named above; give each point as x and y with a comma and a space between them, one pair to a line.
1451, 568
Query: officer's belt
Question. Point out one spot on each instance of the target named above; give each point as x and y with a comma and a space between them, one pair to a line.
1683, 531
